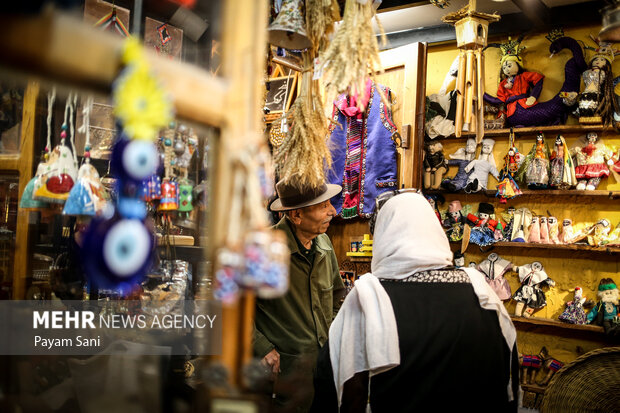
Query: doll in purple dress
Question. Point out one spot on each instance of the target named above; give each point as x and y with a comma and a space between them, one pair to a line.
461, 158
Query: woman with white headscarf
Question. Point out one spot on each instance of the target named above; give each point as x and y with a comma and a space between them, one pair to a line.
417, 334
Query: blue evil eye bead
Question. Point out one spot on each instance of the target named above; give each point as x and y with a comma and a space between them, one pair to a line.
134, 160
117, 253
131, 208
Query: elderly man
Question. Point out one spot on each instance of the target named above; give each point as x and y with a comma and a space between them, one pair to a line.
290, 330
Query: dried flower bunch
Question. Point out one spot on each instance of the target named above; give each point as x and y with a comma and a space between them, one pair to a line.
354, 52
304, 155
320, 18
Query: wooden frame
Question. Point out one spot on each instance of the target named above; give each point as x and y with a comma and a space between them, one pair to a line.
67, 50
280, 88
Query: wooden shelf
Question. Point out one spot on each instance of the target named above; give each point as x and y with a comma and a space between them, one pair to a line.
360, 259
534, 130
533, 388
567, 247
490, 193
558, 328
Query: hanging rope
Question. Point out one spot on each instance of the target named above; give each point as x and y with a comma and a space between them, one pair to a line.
51, 97
72, 103
85, 127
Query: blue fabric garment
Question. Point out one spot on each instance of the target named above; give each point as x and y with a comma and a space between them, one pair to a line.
460, 179
378, 153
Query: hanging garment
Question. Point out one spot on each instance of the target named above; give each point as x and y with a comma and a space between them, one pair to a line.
363, 153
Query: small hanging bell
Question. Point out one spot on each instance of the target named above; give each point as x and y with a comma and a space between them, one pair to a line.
288, 30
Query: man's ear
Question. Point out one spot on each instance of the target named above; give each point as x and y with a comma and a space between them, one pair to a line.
295, 216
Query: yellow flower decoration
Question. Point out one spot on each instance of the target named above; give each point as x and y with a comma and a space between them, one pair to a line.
139, 101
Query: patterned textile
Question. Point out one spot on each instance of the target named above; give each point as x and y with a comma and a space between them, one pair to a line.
531, 361
444, 275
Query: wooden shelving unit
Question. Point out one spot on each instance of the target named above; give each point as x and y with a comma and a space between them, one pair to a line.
556, 247
490, 193
554, 327
558, 129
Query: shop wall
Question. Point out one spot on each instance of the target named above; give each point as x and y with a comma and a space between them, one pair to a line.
567, 268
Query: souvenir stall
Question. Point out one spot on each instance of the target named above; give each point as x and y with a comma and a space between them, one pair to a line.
139, 156
121, 186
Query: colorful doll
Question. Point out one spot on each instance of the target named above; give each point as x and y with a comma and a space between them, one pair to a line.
574, 312
530, 296
507, 187
461, 159
494, 267
435, 165
535, 168
454, 221
605, 312
479, 170
544, 231
596, 102
534, 235
485, 230
434, 199
562, 166
519, 89
459, 259
568, 234
554, 231
592, 159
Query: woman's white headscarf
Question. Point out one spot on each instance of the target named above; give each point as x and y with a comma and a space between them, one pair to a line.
408, 239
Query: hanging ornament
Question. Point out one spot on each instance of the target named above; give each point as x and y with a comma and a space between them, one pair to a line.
288, 30
27, 201
169, 188
88, 196
60, 171
118, 251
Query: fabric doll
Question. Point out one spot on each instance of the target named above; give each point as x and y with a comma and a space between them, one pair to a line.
433, 200
519, 89
479, 170
509, 218
605, 312
590, 157
530, 296
574, 312
534, 235
596, 102
486, 230
494, 267
461, 159
568, 234
534, 170
454, 221
521, 227
507, 187
554, 231
544, 231
562, 166
435, 165
459, 259
599, 232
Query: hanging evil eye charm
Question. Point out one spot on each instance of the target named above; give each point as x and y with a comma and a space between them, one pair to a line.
117, 253
169, 196
134, 160
228, 266
185, 196
151, 188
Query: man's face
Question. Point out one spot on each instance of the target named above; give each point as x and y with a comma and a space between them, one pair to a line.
315, 219
510, 68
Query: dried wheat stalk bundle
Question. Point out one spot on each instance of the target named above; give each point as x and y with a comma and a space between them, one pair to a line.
320, 18
353, 52
303, 157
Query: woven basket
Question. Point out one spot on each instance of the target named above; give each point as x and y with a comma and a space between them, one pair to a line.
591, 383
